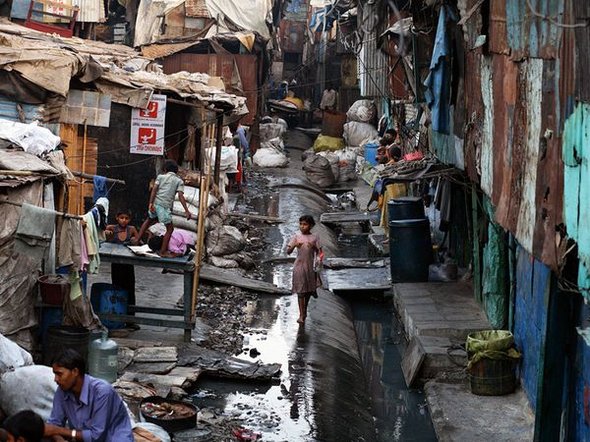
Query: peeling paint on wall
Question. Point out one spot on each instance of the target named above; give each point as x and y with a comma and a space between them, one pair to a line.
487, 140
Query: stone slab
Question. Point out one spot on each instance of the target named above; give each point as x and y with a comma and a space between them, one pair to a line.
357, 280
458, 415
157, 354
439, 309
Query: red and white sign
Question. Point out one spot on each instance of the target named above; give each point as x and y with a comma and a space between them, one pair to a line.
147, 127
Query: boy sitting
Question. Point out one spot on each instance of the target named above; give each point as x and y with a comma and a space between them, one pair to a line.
161, 202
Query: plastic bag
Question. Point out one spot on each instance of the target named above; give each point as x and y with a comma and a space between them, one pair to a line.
31, 138
324, 142
269, 157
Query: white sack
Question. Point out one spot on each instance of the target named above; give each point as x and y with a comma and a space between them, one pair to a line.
229, 158
357, 134
270, 158
268, 131
177, 209
347, 165
12, 355
334, 159
225, 240
28, 388
362, 111
154, 429
191, 195
30, 137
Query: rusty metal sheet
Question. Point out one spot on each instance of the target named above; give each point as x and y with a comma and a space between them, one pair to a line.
474, 113
566, 76
581, 11
196, 9
549, 185
222, 65
292, 35
529, 35
498, 42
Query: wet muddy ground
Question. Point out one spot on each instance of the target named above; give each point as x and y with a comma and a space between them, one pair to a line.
341, 378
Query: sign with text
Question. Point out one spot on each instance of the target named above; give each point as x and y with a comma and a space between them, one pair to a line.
147, 127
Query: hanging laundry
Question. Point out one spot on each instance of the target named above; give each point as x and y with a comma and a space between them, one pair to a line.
69, 244
84, 261
92, 242
100, 187
34, 231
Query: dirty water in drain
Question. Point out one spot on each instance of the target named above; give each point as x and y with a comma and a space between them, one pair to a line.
330, 388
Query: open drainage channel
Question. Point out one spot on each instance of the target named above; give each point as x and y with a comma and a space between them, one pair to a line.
330, 389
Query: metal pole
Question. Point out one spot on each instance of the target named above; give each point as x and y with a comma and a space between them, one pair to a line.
218, 144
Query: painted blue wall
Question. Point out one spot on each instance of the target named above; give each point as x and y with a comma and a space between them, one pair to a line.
533, 281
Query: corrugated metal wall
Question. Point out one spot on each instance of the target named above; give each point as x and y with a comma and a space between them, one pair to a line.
372, 62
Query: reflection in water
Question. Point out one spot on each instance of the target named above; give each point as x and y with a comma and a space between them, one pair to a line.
401, 414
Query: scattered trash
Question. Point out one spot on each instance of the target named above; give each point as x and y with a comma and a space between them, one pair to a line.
243, 434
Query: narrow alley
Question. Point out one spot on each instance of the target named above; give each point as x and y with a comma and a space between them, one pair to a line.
294, 220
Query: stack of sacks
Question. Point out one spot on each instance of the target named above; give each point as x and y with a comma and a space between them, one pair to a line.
24, 386
272, 150
191, 194
359, 130
225, 245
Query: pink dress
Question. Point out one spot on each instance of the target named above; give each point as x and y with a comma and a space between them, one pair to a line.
305, 279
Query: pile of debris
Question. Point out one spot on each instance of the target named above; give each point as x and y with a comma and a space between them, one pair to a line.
272, 148
339, 151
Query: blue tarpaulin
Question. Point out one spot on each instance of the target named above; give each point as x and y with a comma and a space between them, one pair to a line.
438, 82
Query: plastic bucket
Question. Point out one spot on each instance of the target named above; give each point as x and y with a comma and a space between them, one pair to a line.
63, 337
53, 289
371, 153
410, 250
106, 298
409, 207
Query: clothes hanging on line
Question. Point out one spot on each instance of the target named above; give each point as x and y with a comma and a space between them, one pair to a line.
34, 231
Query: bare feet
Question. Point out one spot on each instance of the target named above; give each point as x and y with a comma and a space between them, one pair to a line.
166, 255
301, 320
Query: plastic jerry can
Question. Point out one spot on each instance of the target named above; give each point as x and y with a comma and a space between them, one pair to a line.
103, 358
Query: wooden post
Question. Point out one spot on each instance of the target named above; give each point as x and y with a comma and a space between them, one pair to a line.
218, 144
203, 204
81, 197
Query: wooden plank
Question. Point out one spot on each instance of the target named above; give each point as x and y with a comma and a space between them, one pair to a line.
256, 217
153, 379
228, 277
412, 360
158, 354
344, 217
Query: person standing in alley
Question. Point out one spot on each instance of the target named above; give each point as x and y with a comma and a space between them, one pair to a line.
161, 203
309, 250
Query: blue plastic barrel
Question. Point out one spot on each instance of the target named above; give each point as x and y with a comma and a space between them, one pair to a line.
410, 250
106, 298
371, 153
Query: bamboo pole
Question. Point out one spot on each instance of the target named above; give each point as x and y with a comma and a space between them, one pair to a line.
65, 215
203, 200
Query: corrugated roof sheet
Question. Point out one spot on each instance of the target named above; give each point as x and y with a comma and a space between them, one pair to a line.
196, 9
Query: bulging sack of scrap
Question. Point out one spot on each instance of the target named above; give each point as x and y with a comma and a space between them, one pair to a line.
12, 355
318, 170
358, 134
362, 111
225, 240
28, 388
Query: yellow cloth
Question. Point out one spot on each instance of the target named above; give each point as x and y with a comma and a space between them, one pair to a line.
392, 191
296, 101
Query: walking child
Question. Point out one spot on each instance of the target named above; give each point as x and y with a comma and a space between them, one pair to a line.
305, 279
161, 202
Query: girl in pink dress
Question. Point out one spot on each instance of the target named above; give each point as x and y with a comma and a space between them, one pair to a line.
305, 279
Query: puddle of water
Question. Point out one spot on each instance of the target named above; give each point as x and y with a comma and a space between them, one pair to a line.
400, 413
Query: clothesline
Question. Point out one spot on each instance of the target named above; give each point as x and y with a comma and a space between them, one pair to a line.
65, 215
89, 177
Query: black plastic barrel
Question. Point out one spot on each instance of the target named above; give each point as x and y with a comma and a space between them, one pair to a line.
410, 250
63, 337
406, 207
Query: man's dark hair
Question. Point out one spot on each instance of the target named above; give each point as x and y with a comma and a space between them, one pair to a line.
124, 212
26, 424
307, 219
391, 132
70, 359
386, 140
170, 166
395, 152
155, 243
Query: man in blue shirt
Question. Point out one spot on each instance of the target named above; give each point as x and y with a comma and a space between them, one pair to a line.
93, 409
